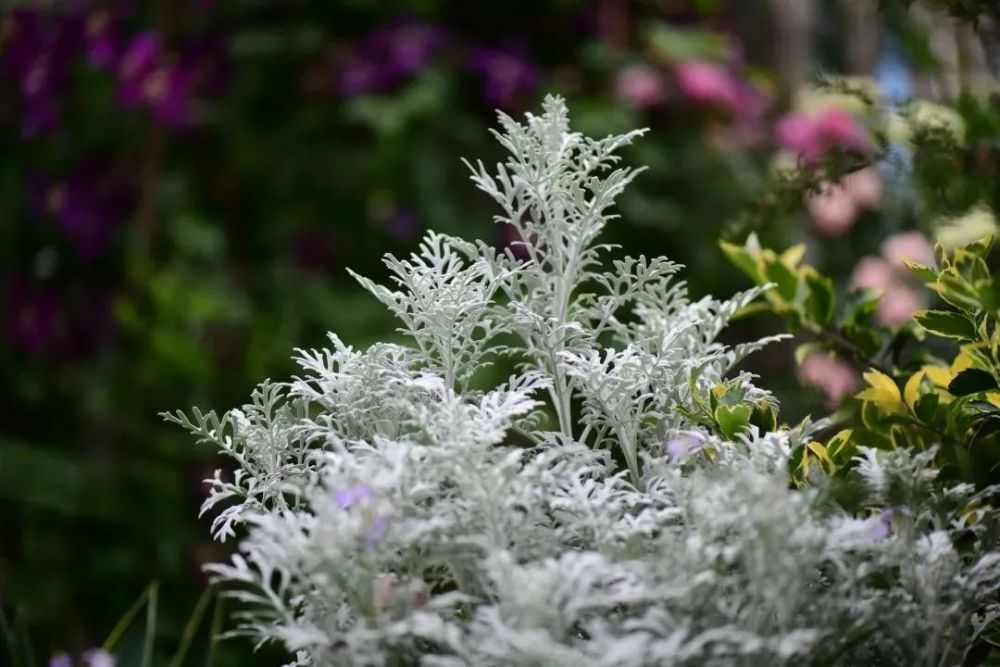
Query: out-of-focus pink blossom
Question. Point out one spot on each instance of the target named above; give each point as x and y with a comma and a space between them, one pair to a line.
839, 128
898, 304
813, 135
873, 273
865, 187
832, 209
639, 86
913, 246
797, 132
706, 83
101, 38
833, 377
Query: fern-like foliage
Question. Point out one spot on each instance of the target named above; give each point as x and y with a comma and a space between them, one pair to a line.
386, 517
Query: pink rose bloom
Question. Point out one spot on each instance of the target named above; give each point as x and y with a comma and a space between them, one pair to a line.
840, 128
706, 83
836, 379
865, 187
639, 86
913, 246
832, 209
814, 135
898, 305
873, 273
798, 133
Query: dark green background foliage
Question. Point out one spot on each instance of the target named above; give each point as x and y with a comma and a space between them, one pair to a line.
169, 236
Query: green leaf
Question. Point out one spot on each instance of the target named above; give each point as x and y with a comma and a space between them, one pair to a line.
131, 641
820, 301
972, 381
732, 418
947, 324
197, 647
743, 260
926, 407
925, 272
787, 283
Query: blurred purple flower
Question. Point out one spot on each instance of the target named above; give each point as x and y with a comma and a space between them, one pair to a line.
87, 206
387, 56
101, 38
147, 78
142, 57
506, 75
352, 496
403, 224
98, 657
376, 531
682, 445
34, 317
61, 660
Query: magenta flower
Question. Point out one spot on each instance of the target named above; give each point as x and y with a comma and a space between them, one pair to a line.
812, 136
101, 39
387, 56
509, 238
142, 57
146, 78
706, 83
507, 76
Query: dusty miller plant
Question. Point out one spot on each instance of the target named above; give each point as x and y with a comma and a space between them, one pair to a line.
389, 512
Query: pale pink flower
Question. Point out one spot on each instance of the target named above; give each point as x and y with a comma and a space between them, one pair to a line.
833, 377
706, 83
832, 209
913, 246
639, 86
865, 187
873, 273
898, 304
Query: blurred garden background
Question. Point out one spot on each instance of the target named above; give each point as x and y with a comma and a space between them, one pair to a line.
184, 182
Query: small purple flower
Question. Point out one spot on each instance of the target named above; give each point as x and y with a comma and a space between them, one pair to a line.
98, 657
507, 76
101, 39
142, 57
352, 496
61, 660
682, 445
881, 525
87, 206
387, 56
376, 531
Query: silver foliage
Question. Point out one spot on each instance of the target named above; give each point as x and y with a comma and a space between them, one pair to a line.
386, 517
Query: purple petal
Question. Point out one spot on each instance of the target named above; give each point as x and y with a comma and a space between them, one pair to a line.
352, 496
